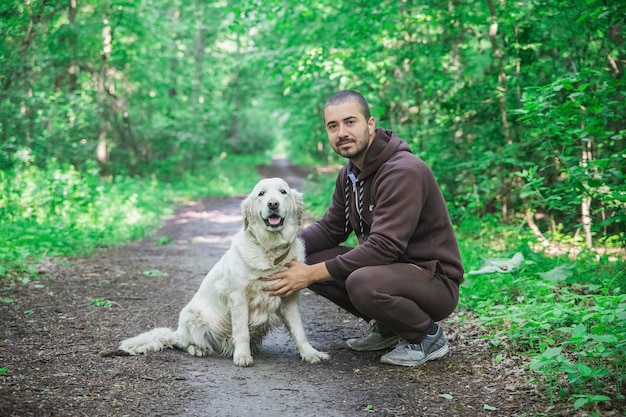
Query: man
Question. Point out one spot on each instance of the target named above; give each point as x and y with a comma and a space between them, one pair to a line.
405, 273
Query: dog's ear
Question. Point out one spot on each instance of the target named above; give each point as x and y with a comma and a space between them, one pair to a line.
246, 211
298, 204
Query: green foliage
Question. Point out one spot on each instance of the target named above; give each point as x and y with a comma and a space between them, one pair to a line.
517, 113
317, 192
570, 121
102, 302
61, 211
571, 326
164, 240
167, 93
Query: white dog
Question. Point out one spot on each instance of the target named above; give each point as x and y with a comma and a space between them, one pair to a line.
230, 314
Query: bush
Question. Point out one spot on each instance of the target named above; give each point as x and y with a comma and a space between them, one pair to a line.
58, 211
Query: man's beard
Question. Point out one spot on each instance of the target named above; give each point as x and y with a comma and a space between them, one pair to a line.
361, 146
354, 152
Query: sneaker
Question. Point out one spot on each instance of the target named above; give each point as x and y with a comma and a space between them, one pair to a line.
376, 338
414, 354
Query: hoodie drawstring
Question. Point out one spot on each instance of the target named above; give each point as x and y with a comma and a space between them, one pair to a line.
358, 201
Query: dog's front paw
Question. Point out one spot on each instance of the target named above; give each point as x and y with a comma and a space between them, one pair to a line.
243, 360
315, 356
242, 356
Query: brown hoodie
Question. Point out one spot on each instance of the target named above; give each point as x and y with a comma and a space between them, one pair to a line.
395, 208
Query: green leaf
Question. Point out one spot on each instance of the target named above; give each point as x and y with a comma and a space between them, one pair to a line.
489, 407
550, 353
446, 396
605, 338
579, 331
102, 302
599, 398
558, 274
584, 370
580, 403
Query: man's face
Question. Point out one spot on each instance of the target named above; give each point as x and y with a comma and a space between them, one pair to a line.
348, 132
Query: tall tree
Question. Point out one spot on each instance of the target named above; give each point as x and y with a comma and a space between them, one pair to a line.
105, 122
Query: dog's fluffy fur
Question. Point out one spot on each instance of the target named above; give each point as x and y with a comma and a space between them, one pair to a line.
230, 314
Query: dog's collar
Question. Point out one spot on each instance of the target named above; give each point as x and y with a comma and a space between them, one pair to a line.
282, 257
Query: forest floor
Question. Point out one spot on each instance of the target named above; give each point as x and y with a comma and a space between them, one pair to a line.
52, 335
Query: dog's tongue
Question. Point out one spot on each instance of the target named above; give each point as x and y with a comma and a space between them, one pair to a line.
274, 220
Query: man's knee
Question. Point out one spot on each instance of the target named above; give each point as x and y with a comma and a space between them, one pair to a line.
361, 290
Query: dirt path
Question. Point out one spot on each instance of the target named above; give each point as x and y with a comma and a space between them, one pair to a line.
52, 334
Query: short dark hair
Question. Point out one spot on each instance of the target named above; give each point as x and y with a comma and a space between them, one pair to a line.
350, 95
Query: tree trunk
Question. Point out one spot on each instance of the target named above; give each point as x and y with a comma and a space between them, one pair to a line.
533, 226
197, 97
105, 122
498, 55
71, 13
172, 91
234, 122
501, 91
585, 205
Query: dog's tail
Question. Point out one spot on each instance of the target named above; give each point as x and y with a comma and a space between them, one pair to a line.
151, 341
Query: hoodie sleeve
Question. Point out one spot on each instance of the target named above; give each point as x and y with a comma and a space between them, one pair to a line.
401, 192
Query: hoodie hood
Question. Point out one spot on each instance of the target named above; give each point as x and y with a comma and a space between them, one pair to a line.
385, 144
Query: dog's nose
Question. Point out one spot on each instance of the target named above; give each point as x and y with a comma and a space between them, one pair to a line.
273, 204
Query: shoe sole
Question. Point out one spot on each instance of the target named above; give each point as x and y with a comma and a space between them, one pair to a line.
432, 356
382, 345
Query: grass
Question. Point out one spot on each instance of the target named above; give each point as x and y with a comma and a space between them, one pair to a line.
571, 328
60, 211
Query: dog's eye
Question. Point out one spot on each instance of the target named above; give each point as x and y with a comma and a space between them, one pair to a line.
283, 191
261, 193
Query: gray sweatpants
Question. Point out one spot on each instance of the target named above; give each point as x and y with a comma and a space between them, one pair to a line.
403, 297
